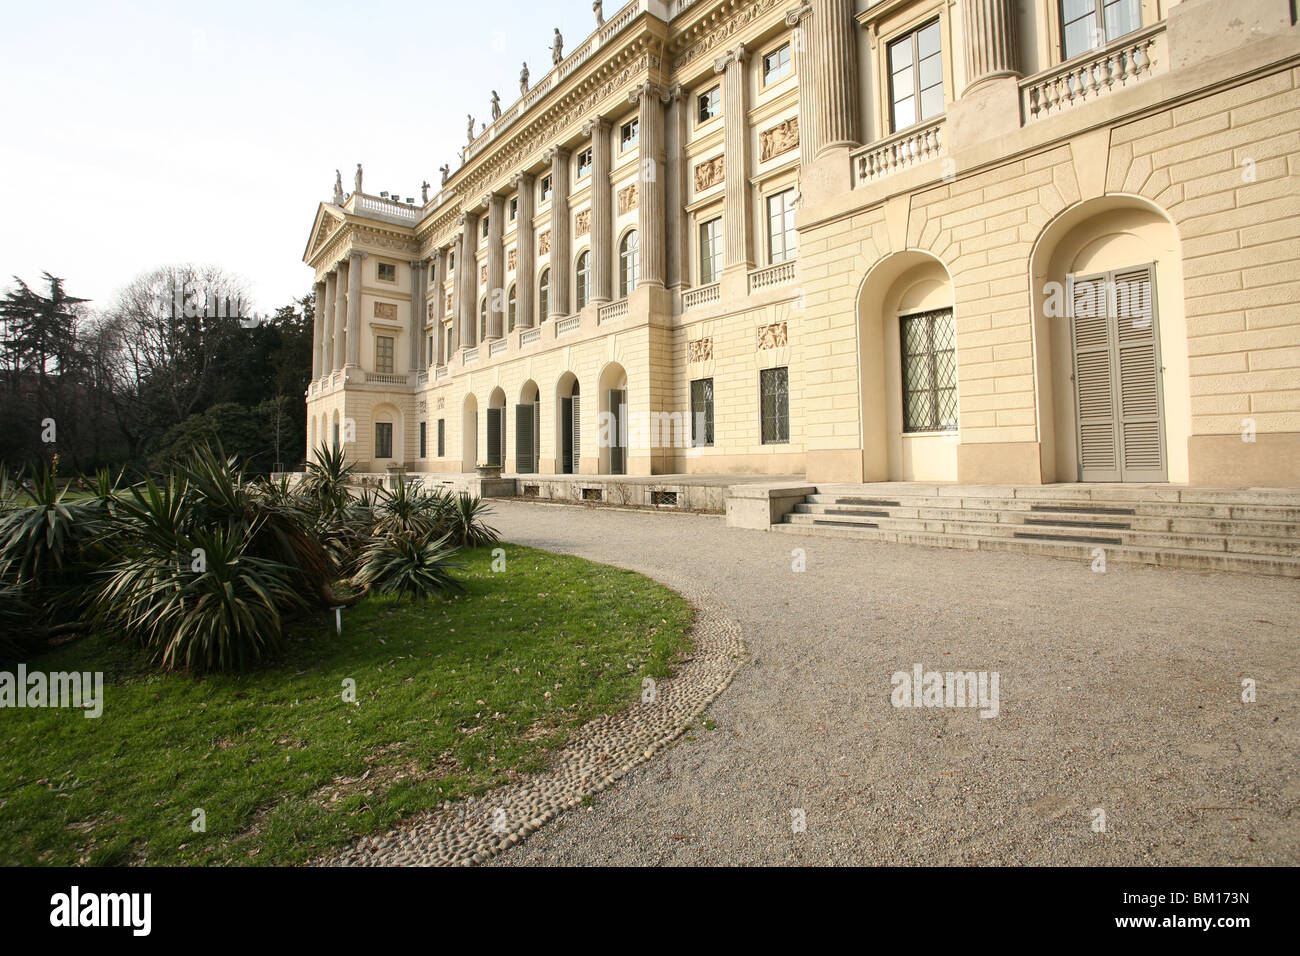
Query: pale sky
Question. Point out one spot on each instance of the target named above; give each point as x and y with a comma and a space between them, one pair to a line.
135, 135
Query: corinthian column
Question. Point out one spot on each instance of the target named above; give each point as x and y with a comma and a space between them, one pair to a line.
800, 20
650, 204
317, 329
340, 315
736, 214
496, 266
354, 307
602, 212
439, 312
561, 228
832, 43
467, 280
327, 324
526, 250
989, 27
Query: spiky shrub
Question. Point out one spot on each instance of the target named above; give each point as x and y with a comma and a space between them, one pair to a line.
222, 611
21, 637
467, 516
408, 564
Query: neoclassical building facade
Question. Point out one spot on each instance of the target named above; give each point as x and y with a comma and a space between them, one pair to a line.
858, 240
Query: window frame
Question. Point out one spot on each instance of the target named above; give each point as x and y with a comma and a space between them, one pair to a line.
512, 307
789, 235
544, 295
424, 440
715, 252
777, 419
708, 438
582, 279
626, 140
714, 94
389, 352
935, 425
785, 67
389, 426
390, 267
629, 263
1099, 30
442, 438
912, 36
546, 188
583, 162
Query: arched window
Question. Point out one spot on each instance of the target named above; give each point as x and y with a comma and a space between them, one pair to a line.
629, 263
482, 319
512, 305
583, 285
544, 296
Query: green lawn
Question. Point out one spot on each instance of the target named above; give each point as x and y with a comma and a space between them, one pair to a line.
452, 698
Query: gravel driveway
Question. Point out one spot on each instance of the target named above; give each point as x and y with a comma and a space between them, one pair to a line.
1119, 691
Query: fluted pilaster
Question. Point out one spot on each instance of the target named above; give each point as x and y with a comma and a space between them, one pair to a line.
467, 280
676, 242
440, 355
340, 315
415, 360
496, 266
317, 329
800, 21
832, 44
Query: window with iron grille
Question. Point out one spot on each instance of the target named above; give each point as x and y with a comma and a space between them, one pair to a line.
916, 77
442, 437
1091, 24
383, 439
702, 412
709, 105
424, 439
774, 391
628, 263
387, 272
583, 285
384, 354
782, 240
776, 64
929, 351
710, 251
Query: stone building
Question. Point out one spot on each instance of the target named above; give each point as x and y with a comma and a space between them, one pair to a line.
1023, 241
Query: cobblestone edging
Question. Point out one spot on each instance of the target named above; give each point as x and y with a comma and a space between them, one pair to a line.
468, 832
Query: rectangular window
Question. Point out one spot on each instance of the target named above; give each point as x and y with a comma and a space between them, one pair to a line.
442, 437
451, 262
928, 344
782, 240
384, 354
916, 77
546, 188
702, 412
709, 105
710, 251
776, 65
387, 272
774, 393
424, 446
483, 227
514, 209
1091, 24
584, 162
630, 133
383, 439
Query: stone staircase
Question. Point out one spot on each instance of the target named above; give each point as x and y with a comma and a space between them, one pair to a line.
1251, 530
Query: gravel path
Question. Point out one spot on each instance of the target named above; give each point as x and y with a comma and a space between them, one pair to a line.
1120, 691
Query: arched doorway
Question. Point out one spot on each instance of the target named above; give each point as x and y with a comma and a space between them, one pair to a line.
528, 429
613, 423
907, 341
568, 421
387, 435
469, 434
496, 428
1110, 344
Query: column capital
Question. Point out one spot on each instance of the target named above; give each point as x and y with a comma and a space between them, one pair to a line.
792, 17
650, 91
737, 56
594, 125
357, 255
556, 152
520, 180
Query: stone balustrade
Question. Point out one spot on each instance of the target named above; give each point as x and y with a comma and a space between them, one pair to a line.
1084, 79
911, 147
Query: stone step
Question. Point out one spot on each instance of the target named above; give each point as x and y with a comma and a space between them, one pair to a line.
1267, 497
1106, 518
1248, 512
1121, 554
1054, 531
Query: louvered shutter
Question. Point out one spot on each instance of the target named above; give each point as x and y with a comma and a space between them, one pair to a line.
1141, 420
1094, 384
617, 449
537, 436
566, 436
577, 433
524, 432
494, 436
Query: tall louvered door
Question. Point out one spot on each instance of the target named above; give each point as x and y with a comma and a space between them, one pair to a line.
1141, 412
495, 435
1116, 377
618, 440
576, 427
566, 436
537, 436
525, 450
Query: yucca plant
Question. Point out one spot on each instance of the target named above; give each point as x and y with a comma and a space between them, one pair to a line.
325, 485
406, 508
225, 612
468, 527
405, 563
21, 637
